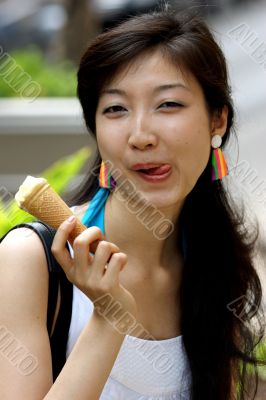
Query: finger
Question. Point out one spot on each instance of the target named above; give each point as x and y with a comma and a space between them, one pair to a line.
58, 247
114, 267
93, 246
82, 246
102, 255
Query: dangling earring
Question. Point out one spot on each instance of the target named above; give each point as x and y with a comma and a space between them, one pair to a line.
219, 167
105, 178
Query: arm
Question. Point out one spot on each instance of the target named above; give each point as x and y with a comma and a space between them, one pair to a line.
89, 364
23, 308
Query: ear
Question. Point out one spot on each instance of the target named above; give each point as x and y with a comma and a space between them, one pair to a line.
219, 122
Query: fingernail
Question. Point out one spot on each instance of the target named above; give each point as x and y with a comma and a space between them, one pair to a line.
71, 219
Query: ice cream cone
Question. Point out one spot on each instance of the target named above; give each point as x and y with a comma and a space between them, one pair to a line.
40, 200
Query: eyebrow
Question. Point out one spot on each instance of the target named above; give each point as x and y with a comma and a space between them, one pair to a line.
157, 89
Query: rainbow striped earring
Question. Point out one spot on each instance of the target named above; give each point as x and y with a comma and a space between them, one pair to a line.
219, 167
105, 178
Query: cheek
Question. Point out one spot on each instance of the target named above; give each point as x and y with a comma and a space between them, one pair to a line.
190, 134
192, 144
109, 143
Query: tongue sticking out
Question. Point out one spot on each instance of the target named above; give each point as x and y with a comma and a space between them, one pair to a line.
162, 169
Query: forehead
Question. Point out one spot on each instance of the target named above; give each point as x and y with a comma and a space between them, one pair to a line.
150, 69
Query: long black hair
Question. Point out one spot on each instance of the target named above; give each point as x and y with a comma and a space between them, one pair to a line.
219, 285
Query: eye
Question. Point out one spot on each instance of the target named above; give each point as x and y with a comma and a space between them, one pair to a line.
113, 109
171, 104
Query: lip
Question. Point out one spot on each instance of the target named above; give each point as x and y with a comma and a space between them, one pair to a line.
154, 178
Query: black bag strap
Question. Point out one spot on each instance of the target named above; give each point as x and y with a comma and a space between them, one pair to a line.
57, 278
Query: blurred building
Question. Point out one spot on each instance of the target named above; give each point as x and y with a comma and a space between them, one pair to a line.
57, 24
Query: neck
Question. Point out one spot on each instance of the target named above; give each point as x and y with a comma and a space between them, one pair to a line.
145, 233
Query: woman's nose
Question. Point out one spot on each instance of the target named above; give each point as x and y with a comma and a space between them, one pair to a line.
142, 136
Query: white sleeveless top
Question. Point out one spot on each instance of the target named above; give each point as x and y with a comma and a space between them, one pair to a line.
143, 369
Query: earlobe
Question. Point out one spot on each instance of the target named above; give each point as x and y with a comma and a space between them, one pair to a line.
219, 121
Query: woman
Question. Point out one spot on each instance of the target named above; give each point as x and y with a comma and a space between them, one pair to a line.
173, 270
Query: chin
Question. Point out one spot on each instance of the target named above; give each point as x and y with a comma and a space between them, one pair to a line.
162, 199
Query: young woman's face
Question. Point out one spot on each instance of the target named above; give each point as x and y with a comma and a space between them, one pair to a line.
151, 113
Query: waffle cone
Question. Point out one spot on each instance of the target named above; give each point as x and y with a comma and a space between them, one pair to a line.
47, 206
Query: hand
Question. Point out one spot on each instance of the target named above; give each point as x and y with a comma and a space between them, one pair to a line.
97, 276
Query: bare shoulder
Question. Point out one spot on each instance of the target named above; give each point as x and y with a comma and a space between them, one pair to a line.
21, 237
22, 244
23, 272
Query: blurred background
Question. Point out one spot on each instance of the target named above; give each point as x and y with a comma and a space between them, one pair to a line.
41, 42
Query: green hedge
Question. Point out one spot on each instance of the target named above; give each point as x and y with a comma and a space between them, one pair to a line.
55, 79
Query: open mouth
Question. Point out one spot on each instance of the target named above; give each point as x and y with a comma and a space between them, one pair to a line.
160, 170
155, 174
